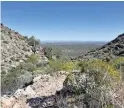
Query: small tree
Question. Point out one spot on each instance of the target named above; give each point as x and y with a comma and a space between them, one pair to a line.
32, 40
48, 52
26, 37
34, 43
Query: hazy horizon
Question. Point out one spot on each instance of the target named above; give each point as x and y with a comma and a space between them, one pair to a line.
72, 41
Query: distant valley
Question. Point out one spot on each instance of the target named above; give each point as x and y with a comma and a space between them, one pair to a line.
74, 49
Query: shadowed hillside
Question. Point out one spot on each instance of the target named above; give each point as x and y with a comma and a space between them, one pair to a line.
112, 49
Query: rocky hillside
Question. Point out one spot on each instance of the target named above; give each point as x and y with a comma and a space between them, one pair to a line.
94, 83
14, 48
111, 49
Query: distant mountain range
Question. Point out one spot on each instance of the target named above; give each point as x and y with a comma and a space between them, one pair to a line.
74, 42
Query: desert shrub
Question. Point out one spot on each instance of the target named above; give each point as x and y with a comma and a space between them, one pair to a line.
57, 52
59, 65
5, 41
40, 70
19, 76
14, 80
118, 63
2, 37
32, 41
48, 52
100, 66
95, 81
30, 67
22, 38
33, 49
68, 66
26, 37
7, 84
34, 58
55, 65
34, 62
25, 79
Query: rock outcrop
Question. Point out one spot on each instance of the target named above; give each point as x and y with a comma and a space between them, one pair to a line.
43, 86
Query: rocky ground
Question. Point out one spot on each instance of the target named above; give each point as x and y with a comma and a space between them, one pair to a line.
57, 91
42, 86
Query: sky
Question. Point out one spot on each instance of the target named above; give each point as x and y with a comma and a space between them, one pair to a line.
65, 21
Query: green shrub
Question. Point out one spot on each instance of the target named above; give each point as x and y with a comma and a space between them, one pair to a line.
40, 70
19, 76
57, 53
22, 38
26, 37
96, 79
118, 63
59, 65
68, 66
34, 58
101, 66
14, 80
32, 41
55, 65
25, 79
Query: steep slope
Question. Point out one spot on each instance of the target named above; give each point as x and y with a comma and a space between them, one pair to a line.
14, 48
18, 61
111, 49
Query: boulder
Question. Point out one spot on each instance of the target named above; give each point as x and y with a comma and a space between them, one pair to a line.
19, 93
30, 92
8, 102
